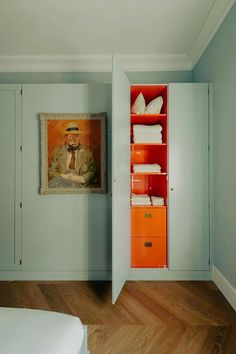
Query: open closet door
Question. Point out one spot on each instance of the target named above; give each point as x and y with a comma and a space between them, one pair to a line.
120, 179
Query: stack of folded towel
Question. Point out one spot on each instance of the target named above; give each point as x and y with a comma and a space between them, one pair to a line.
147, 133
140, 199
144, 199
157, 200
146, 168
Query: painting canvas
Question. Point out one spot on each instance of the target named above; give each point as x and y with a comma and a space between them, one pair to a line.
73, 153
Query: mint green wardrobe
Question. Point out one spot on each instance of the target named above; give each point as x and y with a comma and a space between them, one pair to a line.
85, 236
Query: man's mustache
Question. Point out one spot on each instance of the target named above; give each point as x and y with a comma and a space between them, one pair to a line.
72, 147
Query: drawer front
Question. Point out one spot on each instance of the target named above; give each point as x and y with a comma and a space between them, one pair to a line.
148, 252
148, 222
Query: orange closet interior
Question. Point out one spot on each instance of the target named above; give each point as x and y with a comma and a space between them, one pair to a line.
149, 223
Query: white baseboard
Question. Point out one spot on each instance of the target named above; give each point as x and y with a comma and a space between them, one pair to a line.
166, 274
225, 287
55, 275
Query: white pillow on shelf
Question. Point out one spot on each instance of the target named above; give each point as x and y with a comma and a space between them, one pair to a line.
154, 107
139, 105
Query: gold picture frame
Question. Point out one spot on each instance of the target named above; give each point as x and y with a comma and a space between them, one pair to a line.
73, 153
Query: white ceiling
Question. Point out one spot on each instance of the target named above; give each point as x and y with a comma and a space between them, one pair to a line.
75, 32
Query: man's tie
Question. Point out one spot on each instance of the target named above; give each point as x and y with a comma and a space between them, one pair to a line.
72, 161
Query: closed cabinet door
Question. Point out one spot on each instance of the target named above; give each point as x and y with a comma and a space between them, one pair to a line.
10, 183
188, 211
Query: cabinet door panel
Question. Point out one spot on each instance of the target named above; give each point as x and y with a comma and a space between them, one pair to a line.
10, 141
67, 232
188, 177
120, 180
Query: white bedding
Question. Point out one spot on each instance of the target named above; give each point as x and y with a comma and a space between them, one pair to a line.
24, 331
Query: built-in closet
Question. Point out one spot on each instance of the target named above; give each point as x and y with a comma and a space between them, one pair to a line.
170, 241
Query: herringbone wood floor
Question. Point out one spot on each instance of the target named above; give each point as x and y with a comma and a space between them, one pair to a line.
149, 317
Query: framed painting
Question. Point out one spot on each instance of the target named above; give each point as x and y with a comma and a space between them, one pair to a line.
73, 153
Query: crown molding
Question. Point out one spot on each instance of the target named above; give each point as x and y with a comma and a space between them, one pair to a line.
155, 62
92, 63
55, 63
213, 20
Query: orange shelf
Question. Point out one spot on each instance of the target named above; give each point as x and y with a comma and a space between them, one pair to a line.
156, 115
147, 144
148, 119
148, 232
149, 206
148, 173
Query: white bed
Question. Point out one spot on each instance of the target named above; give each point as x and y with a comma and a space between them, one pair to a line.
25, 331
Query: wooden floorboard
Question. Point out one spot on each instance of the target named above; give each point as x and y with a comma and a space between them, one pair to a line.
149, 317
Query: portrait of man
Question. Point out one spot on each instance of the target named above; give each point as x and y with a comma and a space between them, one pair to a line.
72, 164
73, 149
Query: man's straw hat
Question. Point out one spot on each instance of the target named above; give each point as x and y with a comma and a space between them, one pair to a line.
72, 128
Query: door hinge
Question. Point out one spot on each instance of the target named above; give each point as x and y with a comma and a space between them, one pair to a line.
20, 261
208, 147
21, 148
21, 92
209, 261
20, 204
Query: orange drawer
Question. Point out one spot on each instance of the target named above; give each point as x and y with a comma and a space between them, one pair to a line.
148, 252
148, 222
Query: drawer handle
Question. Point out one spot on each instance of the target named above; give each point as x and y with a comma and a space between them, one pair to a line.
148, 244
148, 215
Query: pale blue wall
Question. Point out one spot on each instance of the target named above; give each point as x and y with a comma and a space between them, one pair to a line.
218, 65
152, 77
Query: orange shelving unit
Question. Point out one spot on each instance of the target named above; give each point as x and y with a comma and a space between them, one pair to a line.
149, 223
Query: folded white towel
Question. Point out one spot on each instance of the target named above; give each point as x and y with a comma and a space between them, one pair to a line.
148, 135
141, 196
136, 202
153, 137
157, 128
147, 167
140, 199
157, 200
146, 139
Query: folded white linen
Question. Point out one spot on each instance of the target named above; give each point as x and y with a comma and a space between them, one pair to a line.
147, 139
147, 167
140, 197
139, 105
148, 135
157, 128
157, 200
134, 202
154, 106
151, 137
